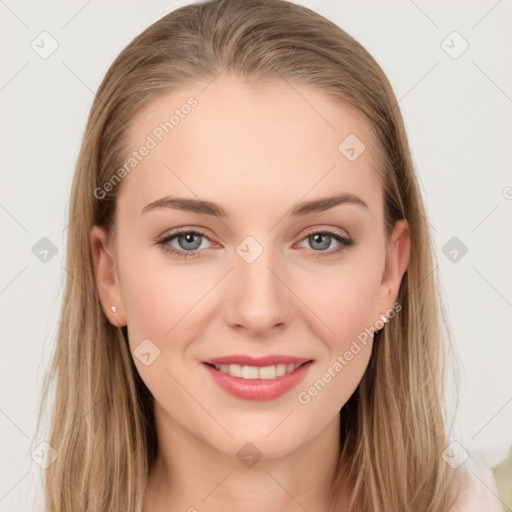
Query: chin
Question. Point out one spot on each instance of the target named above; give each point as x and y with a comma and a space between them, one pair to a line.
261, 445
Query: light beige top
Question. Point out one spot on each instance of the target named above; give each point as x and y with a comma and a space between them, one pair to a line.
481, 494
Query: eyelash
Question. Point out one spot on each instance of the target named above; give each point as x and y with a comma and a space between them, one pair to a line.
345, 242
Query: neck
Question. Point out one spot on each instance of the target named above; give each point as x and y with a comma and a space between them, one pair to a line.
189, 475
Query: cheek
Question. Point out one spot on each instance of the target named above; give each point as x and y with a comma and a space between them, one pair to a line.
343, 302
159, 297
164, 303
346, 311
159, 303
342, 298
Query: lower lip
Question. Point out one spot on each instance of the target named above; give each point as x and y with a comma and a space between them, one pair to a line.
258, 389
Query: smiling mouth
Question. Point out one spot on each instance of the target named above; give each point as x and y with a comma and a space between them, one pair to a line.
256, 378
257, 372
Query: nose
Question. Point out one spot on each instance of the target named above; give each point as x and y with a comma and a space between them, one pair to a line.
257, 298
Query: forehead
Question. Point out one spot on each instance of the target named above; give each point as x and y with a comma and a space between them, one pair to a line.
239, 143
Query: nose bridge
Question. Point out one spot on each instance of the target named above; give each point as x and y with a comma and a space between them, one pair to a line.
258, 299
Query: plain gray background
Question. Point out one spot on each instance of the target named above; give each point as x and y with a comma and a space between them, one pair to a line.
457, 107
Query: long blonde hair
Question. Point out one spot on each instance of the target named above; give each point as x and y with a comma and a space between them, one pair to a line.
393, 428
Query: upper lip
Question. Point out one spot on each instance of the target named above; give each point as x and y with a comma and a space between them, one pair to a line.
246, 360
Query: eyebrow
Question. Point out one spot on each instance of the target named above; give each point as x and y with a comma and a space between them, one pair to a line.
216, 210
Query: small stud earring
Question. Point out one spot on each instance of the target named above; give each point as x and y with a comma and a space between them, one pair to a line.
113, 308
385, 319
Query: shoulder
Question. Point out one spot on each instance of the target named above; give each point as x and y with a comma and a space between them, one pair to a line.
479, 490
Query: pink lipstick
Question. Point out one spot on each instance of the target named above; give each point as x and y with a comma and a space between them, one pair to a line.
257, 378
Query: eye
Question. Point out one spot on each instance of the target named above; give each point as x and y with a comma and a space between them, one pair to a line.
321, 241
189, 243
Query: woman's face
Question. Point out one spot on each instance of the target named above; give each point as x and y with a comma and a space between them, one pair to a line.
261, 272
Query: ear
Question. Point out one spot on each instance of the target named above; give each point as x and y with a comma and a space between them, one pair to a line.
107, 282
397, 261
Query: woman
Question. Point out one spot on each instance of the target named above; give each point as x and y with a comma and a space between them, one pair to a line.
250, 319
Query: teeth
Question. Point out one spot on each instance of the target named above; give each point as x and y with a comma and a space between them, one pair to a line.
257, 372
235, 370
280, 370
267, 372
249, 372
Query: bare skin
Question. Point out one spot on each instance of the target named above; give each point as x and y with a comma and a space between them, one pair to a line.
257, 151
